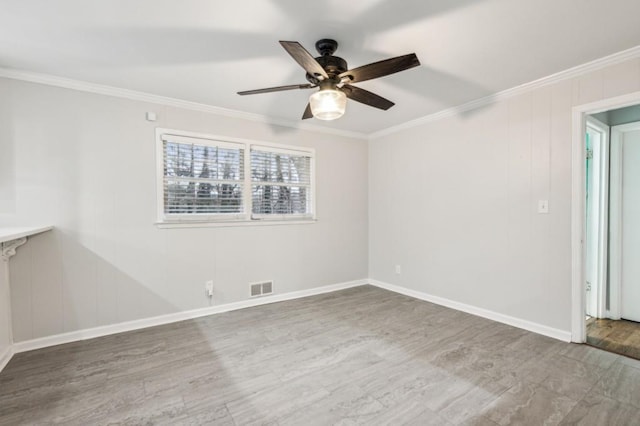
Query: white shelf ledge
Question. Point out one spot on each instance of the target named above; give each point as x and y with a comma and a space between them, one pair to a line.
12, 238
10, 234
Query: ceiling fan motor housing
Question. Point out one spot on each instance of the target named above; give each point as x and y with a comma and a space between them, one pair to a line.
333, 65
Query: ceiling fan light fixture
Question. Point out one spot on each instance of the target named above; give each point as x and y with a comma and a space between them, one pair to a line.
334, 79
328, 104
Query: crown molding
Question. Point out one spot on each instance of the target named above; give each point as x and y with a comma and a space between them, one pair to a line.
84, 86
576, 71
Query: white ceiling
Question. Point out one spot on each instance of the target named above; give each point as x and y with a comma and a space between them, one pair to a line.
206, 50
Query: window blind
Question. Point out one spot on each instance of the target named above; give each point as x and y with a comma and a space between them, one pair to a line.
281, 183
202, 178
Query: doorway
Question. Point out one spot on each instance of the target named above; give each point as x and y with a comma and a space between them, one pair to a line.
611, 230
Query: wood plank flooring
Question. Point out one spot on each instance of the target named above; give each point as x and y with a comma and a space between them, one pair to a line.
619, 336
358, 356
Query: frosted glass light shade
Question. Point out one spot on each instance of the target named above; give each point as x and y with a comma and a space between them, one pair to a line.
328, 104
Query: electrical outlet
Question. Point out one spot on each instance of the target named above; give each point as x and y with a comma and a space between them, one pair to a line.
208, 286
398, 269
543, 206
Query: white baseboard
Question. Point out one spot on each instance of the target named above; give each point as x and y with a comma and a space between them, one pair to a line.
555, 333
90, 333
5, 357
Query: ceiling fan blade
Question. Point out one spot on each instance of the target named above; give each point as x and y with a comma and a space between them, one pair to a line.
277, 89
304, 58
367, 98
307, 112
381, 68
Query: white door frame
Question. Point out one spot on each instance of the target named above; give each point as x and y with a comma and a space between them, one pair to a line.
599, 220
578, 208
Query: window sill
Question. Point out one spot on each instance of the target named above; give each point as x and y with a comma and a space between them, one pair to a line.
221, 224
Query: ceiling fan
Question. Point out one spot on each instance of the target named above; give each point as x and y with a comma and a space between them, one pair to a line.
334, 79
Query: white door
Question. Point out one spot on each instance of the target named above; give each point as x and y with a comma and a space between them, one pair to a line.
629, 217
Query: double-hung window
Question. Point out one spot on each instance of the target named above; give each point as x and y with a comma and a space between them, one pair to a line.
204, 179
280, 183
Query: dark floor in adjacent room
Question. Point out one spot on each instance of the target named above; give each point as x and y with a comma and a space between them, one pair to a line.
619, 336
357, 356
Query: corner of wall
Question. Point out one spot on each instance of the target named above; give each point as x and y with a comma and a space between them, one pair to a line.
5, 357
544, 330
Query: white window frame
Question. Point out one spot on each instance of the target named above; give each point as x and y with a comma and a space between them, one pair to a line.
245, 218
310, 205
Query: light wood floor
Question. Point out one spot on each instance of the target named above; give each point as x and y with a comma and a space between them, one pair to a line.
619, 336
358, 356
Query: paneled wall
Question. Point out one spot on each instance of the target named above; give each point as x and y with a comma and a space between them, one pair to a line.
85, 163
454, 201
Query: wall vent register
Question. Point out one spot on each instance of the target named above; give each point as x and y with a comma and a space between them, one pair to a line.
262, 288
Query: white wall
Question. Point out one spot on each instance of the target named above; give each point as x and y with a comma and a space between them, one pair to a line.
454, 201
85, 163
620, 116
